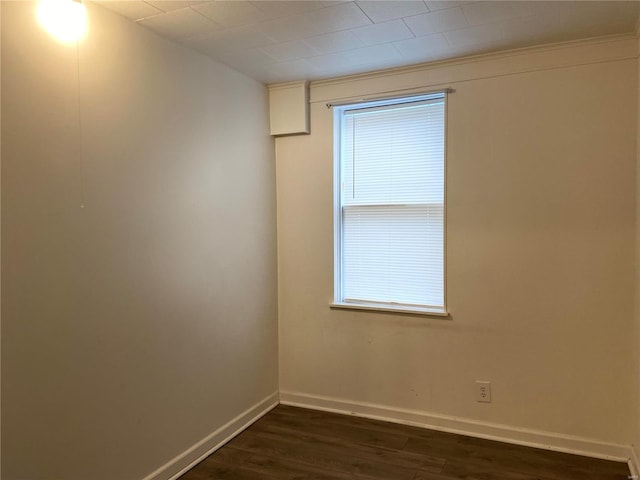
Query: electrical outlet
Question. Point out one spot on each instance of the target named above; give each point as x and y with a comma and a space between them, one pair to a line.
483, 391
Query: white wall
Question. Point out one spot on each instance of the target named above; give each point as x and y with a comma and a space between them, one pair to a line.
541, 194
139, 324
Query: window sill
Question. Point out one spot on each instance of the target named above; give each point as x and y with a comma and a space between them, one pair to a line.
404, 309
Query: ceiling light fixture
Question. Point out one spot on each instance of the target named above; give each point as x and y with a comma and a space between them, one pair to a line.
64, 19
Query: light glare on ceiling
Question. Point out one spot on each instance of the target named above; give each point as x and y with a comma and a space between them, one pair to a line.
64, 19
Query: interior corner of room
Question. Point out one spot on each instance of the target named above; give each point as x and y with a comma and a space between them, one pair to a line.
167, 237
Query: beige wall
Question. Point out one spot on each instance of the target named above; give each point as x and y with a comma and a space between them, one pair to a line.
137, 325
540, 192
636, 438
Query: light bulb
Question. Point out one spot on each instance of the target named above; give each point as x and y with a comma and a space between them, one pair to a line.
64, 19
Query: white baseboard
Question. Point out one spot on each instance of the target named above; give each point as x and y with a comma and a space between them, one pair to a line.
205, 447
473, 428
634, 464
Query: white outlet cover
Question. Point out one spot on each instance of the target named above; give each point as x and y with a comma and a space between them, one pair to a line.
483, 391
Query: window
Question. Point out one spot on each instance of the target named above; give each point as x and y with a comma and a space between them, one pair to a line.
389, 204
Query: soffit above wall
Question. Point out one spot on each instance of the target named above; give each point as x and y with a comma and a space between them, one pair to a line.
282, 41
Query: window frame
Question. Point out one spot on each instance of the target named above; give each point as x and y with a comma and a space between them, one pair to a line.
338, 267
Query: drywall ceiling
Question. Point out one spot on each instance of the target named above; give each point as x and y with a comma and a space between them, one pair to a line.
279, 41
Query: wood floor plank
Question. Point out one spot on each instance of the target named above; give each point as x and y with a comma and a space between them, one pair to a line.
548, 459
327, 459
483, 454
286, 469
208, 469
228, 455
213, 469
390, 456
354, 434
432, 476
460, 470
292, 443
322, 417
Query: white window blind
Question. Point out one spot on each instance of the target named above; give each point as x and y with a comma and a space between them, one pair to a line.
390, 241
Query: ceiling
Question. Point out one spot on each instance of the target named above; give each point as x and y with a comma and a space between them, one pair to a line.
280, 41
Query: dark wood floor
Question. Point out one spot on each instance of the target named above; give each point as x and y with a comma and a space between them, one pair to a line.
298, 444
